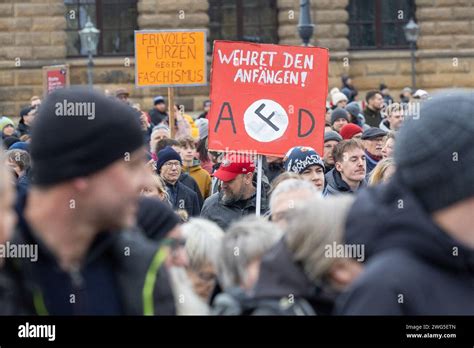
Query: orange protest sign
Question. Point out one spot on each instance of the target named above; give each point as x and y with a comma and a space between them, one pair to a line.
170, 58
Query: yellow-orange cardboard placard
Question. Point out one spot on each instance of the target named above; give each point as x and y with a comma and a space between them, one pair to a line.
170, 58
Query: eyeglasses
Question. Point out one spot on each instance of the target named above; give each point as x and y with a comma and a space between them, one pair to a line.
172, 164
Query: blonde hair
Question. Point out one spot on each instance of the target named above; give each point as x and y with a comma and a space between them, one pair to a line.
182, 214
390, 135
315, 226
376, 177
159, 184
394, 107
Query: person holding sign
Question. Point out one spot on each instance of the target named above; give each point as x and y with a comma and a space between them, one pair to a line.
238, 194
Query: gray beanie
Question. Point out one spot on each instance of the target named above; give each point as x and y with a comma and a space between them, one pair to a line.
338, 113
353, 108
332, 135
434, 153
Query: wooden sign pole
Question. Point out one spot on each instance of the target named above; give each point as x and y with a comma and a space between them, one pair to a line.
171, 112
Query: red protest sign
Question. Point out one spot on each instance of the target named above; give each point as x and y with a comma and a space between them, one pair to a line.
267, 98
55, 77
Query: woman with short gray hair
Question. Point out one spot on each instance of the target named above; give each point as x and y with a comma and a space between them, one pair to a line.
288, 195
242, 247
203, 238
317, 242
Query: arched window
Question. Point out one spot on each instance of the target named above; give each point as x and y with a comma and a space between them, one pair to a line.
243, 20
116, 20
378, 24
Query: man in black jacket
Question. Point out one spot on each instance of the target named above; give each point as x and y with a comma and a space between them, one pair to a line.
373, 110
418, 229
27, 116
158, 114
79, 257
181, 197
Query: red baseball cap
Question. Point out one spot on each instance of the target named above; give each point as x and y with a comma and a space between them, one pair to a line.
349, 130
233, 165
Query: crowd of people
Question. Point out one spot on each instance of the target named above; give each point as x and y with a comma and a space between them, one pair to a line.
130, 220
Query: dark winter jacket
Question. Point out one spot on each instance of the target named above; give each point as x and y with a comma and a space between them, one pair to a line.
328, 168
372, 118
280, 276
414, 267
182, 197
349, 91
335, 184
188, 181
106, 284
272, 170
385, 125
387, 99
23, 129
223, 214
157, 117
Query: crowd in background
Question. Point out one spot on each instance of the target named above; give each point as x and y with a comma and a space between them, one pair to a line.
131, 220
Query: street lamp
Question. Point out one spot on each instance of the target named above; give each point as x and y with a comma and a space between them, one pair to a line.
305, 27
89, 39
412, 31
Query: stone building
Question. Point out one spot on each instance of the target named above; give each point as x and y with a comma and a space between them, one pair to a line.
365, 39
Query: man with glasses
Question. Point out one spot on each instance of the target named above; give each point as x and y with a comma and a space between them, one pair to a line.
373, 140
181, 197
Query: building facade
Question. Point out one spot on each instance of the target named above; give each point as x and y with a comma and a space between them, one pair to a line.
365, 40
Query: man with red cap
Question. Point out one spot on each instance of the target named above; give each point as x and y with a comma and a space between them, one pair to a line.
237, 196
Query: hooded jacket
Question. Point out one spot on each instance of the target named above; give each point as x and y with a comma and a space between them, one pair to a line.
414, 267
335, 185
106, 284
216, 210
201, 176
